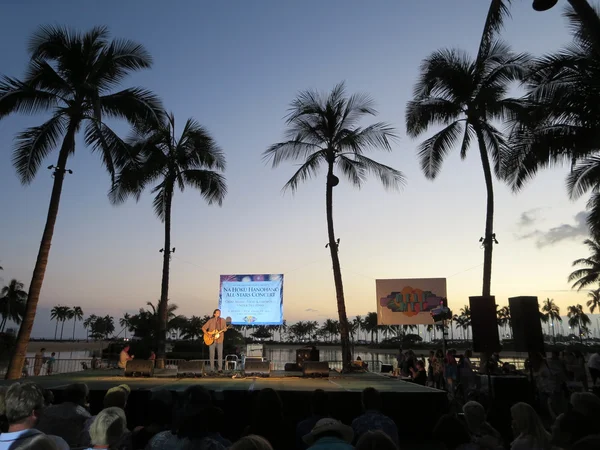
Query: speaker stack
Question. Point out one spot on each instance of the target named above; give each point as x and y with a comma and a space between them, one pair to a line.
526, 324
306, 354
190, 369
484, 324
257, 368
315, 369
139, 368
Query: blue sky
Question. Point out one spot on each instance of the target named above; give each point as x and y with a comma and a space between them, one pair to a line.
235, 66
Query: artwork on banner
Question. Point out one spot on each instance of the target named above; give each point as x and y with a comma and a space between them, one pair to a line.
252, 299
409, 301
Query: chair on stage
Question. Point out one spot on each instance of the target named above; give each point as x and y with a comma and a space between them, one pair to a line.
231, 362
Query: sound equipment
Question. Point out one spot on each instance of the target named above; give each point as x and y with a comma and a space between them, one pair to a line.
210, 336
139, 368
315, 369
257, 368
484, 324
191, 369
526, 324
291, 367
306, 354
386, 368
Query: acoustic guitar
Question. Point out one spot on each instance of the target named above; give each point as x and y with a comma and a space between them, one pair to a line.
211, 336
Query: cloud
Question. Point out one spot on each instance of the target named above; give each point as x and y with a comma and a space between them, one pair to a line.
311, 310
529, 217
561, 232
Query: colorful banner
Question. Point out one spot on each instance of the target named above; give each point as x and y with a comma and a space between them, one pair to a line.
409, 301
252, 299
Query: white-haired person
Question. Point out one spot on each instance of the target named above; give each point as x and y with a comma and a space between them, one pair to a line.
529, 432
108, 428
482, 433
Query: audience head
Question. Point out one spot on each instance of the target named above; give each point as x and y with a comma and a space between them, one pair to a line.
585, 403
126, 348
318, 402
160, 407
525, 421
252, 442
108, 427
76, 393
37, 442
474, 415
48, 397
117, 397
587, 443
197, 396
371, 399
375, 440
451, 431
420, 364
329, 428
43, 349
439, 353
23, 403
268, 402
469, 353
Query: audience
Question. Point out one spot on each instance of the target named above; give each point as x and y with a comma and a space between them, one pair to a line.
318, 409
373, 418
37, 442
267, 419
252, 442
528, 429
452, 434
330, 434
108, 428
482, 433
375, 440
23, 404
159, 415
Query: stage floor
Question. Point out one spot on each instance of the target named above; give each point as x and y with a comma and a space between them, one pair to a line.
279, 380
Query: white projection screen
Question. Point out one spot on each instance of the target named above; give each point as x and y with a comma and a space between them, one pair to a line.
409, 301
252, 299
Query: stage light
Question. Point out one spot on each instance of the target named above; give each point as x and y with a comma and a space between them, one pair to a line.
544, 5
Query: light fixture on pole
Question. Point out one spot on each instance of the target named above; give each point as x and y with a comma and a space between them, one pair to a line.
544, 5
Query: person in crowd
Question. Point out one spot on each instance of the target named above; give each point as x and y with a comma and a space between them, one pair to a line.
115, 397
3, 421
25, 370
587, 443
482, 433
152, 356
318, 410
267, 419
593, 366
330, 434
38, 362
37, 442
124, 356
400, 358
23, 404
430, 360
108, 428
50, 363
410, 361
194, 397
372, 418
48, 397
201, 427
252, 442
68, 418
419, 375
528, 430
159, 415
375, 440
580, 420
450, 370
450, 432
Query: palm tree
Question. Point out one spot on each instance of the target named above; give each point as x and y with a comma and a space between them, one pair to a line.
324, 131
76, 314
64, 314
193, 328
466, 96
56, 313
465, 314
551, 314
590, 273
370, 325
12, 303
594, 300
578, 318
194, 160
71, 75
125, 322
87, 323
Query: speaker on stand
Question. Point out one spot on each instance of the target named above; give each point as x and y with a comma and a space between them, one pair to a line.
190, 369
526, 324
484, 324
139, 368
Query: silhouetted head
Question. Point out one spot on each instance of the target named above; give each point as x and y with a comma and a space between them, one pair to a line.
371, 399
375, 440
76, 393
252, 442
197, 396
451, 431
318, 402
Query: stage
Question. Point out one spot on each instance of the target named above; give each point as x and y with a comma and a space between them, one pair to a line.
415, 408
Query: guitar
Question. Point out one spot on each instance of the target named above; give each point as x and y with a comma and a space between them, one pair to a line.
211, 336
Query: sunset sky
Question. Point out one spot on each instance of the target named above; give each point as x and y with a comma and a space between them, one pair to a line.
235, 66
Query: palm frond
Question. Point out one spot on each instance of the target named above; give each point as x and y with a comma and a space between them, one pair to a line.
584, 176
466, 142
211, 185
42, 76
136, 105
390, 178
353, 170
425, 112
18, 97
164, 194
197, 148
307, 170
290, 151
593, 218
496, 146
497, 13
357, 106
34, 144
376, 136
433, 150
117, 60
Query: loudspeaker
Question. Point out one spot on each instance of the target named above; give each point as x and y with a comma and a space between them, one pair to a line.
386, 368
139, 368
306, 354
291, 367
484, 324
315, 369
257, 368
526, 324
190, 369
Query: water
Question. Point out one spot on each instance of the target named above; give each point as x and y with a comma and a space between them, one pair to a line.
284, 355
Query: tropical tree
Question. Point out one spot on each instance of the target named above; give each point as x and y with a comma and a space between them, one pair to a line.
193, 328
102, 327
465, 315
76, 314
71, 75
578, 318
590, 273
357, 326
87, 323
60, 314
467, 96
167, 163
504, 317
558, 129
12, 303
594, 300
324, 131
551, 314
370, 325
125, 322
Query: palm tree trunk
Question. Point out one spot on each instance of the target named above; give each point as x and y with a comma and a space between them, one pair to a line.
18, 358
74, 323
589, 18
164, 289
62, 328
56, 329
337, 273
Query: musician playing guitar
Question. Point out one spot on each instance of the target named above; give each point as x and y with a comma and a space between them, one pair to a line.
215, 328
